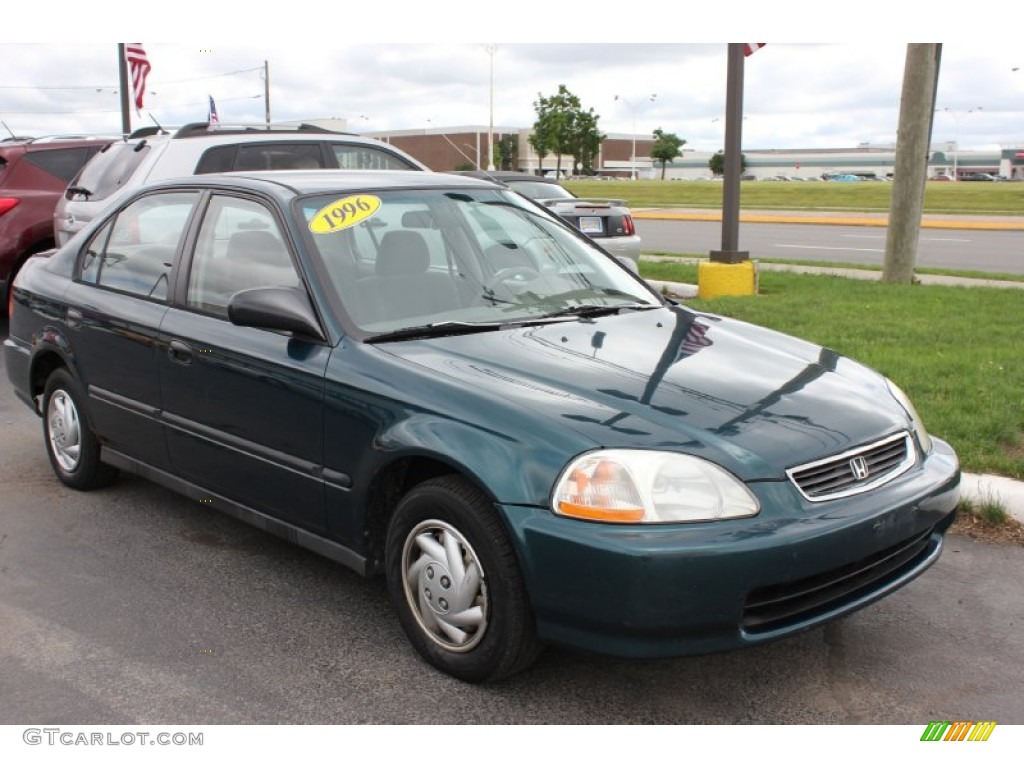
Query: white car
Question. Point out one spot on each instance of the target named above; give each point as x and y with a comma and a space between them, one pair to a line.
155, 154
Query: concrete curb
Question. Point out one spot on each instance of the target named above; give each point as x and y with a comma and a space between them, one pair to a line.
990, 488
853, 274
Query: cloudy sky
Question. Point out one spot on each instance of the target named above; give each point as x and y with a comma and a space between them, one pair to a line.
797, 95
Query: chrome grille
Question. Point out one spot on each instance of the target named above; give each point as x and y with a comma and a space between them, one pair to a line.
856, 471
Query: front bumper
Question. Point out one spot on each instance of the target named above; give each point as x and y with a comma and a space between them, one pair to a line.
672, 590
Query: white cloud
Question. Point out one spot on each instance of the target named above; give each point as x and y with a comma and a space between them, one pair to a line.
797, 95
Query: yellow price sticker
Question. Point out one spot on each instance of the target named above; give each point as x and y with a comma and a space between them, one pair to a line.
344, 213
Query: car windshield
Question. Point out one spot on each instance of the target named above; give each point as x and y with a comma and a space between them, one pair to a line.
460, 260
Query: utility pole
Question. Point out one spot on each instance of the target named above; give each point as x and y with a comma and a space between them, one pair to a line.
913, 140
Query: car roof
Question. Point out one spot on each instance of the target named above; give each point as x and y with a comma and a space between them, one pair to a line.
303, 182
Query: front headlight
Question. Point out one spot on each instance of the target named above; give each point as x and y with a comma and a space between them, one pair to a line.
629, 486
923, 439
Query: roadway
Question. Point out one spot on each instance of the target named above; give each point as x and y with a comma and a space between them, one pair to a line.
984, 250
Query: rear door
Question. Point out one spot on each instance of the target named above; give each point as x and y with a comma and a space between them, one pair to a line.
243, 406
114, 309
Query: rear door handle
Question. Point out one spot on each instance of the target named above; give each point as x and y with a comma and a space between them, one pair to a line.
180, 352
74, 318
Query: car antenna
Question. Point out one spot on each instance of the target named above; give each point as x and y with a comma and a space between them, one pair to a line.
13, 134
160, 127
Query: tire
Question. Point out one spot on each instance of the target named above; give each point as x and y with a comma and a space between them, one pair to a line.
455, 582
71, 445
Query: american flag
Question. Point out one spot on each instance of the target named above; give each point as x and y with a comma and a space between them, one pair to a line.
139, 66
749, 48
213, 117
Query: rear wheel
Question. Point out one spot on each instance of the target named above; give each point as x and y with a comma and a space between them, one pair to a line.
73, 449
455, 582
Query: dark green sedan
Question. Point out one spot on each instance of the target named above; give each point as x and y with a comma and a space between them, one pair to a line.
430, 378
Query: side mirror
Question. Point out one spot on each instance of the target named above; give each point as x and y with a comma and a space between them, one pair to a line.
276, 309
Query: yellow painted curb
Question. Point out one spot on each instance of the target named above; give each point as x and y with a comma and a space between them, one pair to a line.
717, 279
829, 220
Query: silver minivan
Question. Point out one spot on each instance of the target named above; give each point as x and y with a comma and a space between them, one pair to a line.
153, 154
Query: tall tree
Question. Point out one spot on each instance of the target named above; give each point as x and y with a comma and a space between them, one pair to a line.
564, 128
717, 163
587, 143
540, 142
666, 148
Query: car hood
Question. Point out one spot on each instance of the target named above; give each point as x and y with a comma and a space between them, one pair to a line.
750, 399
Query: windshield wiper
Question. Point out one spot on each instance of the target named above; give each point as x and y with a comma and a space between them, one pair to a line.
596, 310
433, 330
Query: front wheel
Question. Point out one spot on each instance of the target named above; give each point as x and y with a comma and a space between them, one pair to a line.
455, 582
73, 449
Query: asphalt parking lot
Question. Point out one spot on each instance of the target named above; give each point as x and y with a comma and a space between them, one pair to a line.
134, 605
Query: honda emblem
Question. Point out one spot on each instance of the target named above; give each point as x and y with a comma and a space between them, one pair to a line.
859, 467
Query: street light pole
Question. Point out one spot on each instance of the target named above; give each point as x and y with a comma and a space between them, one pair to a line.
956, 135
491, 50
633, 107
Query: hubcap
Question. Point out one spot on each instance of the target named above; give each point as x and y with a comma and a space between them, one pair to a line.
64, 430
444, 584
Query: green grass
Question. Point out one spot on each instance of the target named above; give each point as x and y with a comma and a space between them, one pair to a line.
954, 350
988, 511
962, 198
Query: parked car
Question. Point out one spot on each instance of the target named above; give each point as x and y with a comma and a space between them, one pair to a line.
941, 177
432, 378
608, 222
33, 174
843, 177
152, 154
979, 177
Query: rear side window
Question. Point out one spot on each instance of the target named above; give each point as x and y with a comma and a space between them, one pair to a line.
62, 163
278, 156
353, 157
111, 169
217, 160
135, 252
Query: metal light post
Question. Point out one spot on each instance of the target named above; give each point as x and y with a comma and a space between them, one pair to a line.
633, 107
956, 134
491, 49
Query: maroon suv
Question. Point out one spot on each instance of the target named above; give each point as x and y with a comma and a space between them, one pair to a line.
33, 175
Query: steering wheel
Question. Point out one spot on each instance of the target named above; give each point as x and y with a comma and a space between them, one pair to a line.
520, 274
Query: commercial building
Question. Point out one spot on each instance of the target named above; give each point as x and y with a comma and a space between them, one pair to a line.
625, 155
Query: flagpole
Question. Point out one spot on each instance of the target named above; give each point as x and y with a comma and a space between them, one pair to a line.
122, 72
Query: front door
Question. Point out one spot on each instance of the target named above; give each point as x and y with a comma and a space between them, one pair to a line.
243, 407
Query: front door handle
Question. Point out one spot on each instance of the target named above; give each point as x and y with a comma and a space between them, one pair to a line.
180, 352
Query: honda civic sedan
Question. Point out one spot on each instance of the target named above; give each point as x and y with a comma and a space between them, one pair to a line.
431, 379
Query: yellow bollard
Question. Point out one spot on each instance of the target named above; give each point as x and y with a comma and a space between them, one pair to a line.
718, 279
